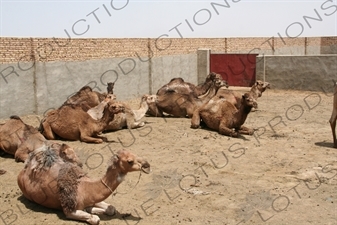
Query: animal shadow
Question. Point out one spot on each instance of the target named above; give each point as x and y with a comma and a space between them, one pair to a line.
324, 144
32, 206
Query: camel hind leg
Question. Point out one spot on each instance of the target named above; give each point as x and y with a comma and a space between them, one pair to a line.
333, 127
47, 131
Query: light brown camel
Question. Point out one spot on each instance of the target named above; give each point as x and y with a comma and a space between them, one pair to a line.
334, 117
182, 105
178, 85
131, 117
64, 186
70, 122
97, 111
14, 133
223, 116
234, 97
87, 98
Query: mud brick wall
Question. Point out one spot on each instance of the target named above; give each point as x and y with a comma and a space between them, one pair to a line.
49, 49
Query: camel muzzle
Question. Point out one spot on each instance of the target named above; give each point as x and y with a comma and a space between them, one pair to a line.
146, 168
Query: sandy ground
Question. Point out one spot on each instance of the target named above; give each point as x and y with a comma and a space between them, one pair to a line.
284, 174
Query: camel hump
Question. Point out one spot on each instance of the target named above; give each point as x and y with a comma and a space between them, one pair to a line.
85, 88
67, 182
15, 117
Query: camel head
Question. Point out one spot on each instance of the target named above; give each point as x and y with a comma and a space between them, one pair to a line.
116, 107
249, 100
110, 87
68, 154
126, 162
218, 83
149, 98
261, 86
215, 77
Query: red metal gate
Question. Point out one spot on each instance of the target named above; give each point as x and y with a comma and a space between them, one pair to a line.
236, 69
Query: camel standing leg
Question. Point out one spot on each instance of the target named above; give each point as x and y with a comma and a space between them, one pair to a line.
333, 126
246, 130
83, 216
102, 207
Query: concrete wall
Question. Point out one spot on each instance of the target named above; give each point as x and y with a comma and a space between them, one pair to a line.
33, 88
310, 73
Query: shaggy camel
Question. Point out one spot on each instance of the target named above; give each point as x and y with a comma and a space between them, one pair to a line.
222, 116
178, 85
182, 105
87, 98
234, 97
131, 117
64, 186
70, 122
334, 117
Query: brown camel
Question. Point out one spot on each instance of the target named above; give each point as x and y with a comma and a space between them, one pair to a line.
70, 122
223, 116
182, 105
65, 186
20, 139
131, 117
178, 85
234, 97
87, 98
334, 117
15, 134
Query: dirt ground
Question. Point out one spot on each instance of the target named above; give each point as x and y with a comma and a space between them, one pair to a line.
284, 174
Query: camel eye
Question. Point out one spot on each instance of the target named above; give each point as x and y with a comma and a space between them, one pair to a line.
130, 162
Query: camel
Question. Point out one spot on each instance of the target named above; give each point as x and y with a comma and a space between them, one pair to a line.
334, 117
235, 97
223, 116
131, 117
14, 133
70, 122
178, 85
182, 105
20, 139
97, 111
87, 98
65, 186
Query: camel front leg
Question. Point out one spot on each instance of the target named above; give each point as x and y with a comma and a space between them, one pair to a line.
333, 127
195, 120
224, 130
88, 139
246, 130
102, 207
21, 154
83, 216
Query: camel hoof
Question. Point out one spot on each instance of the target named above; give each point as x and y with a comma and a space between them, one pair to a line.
195, 126
94, 220
111, 211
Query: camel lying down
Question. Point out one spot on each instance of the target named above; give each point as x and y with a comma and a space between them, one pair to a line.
222, 116
53, 183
